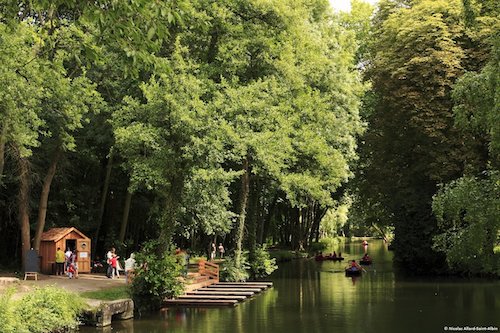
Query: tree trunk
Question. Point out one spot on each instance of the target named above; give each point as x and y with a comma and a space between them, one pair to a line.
267, 220
170, 212
126, 210
245, 189
104, 196
24, 222
44, 198
252, 216
3, 140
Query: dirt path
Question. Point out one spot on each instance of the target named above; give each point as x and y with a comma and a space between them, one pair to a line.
85, 282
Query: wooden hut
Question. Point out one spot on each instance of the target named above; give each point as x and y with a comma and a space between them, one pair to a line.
64, 238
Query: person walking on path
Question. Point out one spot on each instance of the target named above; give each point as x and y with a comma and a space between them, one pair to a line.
59, 261
74, 262
129, 268
67, 257
212, 252
114, 265
221, 250
109, 256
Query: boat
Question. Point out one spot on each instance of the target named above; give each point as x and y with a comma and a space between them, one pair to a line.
322, 258
365, 262
352, 272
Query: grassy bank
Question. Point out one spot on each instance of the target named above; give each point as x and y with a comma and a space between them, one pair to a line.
109, 294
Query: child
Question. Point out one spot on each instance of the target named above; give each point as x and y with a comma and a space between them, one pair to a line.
71, 270
114, 265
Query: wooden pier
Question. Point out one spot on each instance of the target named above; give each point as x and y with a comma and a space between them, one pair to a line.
219, 294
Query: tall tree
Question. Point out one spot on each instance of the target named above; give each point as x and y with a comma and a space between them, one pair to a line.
418, 53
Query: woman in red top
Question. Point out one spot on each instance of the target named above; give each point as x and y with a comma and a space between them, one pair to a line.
114, 265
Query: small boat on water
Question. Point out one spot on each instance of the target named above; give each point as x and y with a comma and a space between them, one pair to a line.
366, 262
352, 271
322, 258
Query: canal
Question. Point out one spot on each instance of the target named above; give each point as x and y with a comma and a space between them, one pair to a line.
310, 296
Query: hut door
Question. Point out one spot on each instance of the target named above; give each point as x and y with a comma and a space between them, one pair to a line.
83, 246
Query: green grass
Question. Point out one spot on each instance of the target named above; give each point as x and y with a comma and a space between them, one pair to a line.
109, 294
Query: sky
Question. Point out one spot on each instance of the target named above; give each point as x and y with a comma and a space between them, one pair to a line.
345, 5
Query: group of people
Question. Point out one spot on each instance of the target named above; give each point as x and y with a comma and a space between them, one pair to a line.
114, 266
67, 263
213, 251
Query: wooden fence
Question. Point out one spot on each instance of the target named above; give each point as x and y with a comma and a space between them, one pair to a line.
209, 269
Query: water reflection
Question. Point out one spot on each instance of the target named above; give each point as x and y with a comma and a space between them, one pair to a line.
310, 296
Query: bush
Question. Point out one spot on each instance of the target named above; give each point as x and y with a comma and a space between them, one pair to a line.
231, 273
156, 278
262, 264
286, 255
318, 247
46, 309
327, 244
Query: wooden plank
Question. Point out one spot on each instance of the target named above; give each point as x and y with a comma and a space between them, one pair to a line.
199, 302
237, 293
237, 298
215, 285
253, 286
257, 283
211, 288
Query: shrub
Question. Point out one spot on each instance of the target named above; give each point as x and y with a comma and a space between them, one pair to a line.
156, 278
7, 317
318, 247
262, 264
46, 309
286, 255
231, 273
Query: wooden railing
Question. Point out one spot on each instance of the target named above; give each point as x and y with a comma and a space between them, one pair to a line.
209, 269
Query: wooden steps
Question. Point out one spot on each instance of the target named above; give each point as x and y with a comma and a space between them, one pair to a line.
238, 298
212, 288
219, 294
194, 302
224, 292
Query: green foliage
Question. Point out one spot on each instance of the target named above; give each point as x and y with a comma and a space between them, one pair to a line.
331, 243
468, 213
287, 255
157, 276
477, 97
335, 218
8, 320
316, 247
419, 50
43, 310
261, 264
232, 272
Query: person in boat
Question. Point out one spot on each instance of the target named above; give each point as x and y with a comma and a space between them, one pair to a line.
319, 256
354, 266
334, 255
366, 257
340, 254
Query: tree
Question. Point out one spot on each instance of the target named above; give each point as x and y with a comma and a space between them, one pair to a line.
411, 145
468, 209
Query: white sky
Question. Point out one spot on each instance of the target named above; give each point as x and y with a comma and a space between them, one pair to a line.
345, 5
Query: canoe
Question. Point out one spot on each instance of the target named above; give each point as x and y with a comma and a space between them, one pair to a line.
365, 262
318, 258
351, 272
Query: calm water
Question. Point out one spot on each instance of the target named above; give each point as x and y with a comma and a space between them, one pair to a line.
311, 296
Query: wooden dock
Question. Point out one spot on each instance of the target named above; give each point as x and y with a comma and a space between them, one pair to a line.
219, 294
